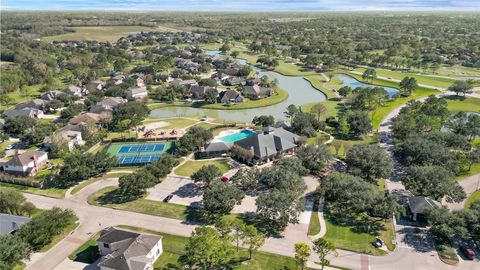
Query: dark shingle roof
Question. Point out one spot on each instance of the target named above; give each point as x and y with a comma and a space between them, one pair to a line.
419, 204
10, 223
269, 143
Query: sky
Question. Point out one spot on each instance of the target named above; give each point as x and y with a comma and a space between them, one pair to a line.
241, 5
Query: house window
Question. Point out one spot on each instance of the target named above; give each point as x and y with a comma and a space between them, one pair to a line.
105, 245
158, 251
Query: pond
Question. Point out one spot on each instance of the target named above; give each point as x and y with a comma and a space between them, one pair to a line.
299, 91
354, 83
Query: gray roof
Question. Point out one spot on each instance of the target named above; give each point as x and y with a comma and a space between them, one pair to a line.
218, 147
136, 90
50, 95
21, 112
270, 142
132, 245
10, 223
230, 94
418, 204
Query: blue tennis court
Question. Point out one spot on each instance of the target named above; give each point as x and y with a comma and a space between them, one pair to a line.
137, 159
135, 148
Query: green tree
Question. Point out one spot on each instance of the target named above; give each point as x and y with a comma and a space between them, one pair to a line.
345, 91
302, 253
219, 198
359, 123
369, 74
252, 239
314, 158
407, 85
12, 251
263, 120
207, 174
291, 111
433, 181
205, 249
461, 87
369, 161
323, 247
319, 109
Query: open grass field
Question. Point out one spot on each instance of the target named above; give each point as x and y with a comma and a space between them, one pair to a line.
421, 79
318, 81
332, 108
475, 169
190, 167
355, 235
458, 71
460, 104
141, 205
29, 93
47, 192
99, 33
475, 196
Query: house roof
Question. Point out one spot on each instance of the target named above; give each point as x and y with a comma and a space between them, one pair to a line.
218, 147
50, 95
73, 89
136, 90
130, 245
84, 117
27, 111
24, 158
418, 204
257, 90
269, 142
229, 94
11, 223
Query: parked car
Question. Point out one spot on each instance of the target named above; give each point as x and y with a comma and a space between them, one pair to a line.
225, 179
468, 252
168, 198
9, 147
378, 243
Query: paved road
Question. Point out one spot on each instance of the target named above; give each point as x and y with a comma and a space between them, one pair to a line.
469, 184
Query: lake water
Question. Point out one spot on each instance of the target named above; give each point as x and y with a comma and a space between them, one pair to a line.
354, 83
299, 91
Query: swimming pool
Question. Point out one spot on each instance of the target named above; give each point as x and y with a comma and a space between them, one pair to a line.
237, 136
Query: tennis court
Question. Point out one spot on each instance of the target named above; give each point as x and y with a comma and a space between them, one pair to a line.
139, 153
141, 148
124, 160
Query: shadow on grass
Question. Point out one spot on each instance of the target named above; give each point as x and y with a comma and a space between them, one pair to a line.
88, 255
358, 224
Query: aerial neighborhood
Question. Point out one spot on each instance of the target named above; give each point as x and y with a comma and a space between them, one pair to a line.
239, 141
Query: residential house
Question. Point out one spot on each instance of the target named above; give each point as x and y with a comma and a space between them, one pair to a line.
118, 79
70, 134
270, 144
87, 117
75, 91
253, 81
9, 224
96, 85
30, 112
50, 95
36, 104
233, 69
232, 81
26, 164
186, 83
256, 91
140, 79
419, 205
230, 96
136, 93
107, 105
215, 149
197, 91
125, 250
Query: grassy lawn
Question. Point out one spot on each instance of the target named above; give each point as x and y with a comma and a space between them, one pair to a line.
458, 70
99, 33
460, 104
156, 208
387, 234
320, 138
173, 123
60, 237
88, 252
318, 81
85, 183
48, 192
314, 225
354, 235
474, 170
421, 79
475, 196
17, 97
332, 108
190, 167
118, 135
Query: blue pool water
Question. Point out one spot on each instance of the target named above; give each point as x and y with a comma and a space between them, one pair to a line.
237, 136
